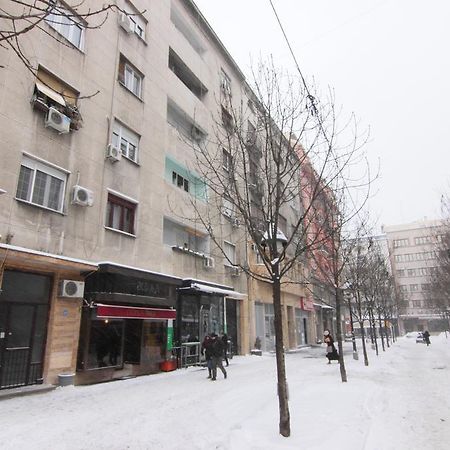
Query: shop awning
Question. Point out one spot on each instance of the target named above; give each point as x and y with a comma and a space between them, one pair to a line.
320, 305
200, 287
49, 92
134, 312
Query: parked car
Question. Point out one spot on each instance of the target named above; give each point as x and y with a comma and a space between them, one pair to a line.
420, 339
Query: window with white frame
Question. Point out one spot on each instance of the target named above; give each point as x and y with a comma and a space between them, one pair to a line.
130, 77
179, 181
227, 207
414, 287
126, 140
225, 83
66, 23
401, 243
230, 252
227, 160
41, 184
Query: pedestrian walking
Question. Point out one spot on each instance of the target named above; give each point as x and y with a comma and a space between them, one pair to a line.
332, 353
217, 356
207, 352
225, 348
426, 337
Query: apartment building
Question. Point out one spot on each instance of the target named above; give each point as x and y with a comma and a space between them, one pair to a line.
101, 247
412, 250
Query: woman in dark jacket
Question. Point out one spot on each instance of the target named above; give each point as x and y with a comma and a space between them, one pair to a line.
332, 353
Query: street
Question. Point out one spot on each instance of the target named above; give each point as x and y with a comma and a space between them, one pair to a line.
401, 401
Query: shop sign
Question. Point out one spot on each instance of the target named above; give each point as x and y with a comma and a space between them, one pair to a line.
306, 304
133, 312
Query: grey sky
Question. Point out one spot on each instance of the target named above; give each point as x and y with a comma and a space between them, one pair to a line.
387, 60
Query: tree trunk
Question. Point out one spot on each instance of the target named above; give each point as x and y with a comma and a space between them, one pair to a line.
380, 324
363, 341
339, 297
284, 426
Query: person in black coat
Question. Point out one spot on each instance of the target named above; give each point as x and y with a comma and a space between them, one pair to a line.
217, 356
332, 353
207, 351
426, 337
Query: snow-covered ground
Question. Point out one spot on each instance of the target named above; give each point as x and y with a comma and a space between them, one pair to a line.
401, 401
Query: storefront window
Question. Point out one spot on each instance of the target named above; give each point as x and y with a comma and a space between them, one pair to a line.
105, 343
189, 320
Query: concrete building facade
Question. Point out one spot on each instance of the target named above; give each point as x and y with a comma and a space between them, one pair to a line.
99, 250
412, 251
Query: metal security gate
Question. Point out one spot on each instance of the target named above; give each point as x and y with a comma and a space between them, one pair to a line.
23, 324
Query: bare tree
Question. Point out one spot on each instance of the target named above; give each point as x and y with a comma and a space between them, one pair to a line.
439, 276
252, 165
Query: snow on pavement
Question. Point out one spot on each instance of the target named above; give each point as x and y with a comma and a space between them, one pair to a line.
401, 401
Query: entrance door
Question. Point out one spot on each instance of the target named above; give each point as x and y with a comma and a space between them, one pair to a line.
23, 320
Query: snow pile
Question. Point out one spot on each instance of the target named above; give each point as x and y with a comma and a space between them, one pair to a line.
401, 401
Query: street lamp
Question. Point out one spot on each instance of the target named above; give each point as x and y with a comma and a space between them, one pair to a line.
276, 242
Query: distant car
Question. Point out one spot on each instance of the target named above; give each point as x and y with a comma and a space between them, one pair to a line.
420, 339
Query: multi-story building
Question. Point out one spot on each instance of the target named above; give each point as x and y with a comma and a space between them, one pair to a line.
100, 250
412, 249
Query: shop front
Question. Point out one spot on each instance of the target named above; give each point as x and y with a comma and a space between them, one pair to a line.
205, 308
127, 323
40, 299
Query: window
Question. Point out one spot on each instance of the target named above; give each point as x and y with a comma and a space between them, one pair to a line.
426, 287
66, 23
180, 182
126, 140
120, 214
227, 160
41, 184
227, 119
225, 83
416, 304
227, 207
401, 243
188, 181
403, 288
414, 287
130, 77
401, 272
230, 251
138, 22
411, 272
422, 240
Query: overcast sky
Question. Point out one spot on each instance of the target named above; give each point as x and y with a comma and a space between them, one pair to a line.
387, 60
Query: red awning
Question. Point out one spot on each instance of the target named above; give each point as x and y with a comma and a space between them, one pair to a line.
133, 312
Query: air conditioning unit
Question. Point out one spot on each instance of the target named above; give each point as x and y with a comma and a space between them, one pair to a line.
235, 222
82, 196
71, 289
208, 263
254, 248
234, 271
57, 121
126, 23
113, 153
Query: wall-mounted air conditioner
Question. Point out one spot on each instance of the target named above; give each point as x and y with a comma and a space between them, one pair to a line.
57, 121
113, 153
82, 196
235, 222
209, 263
71, 289
126, 23
234, 271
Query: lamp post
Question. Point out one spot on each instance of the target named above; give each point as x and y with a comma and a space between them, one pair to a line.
275, 240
